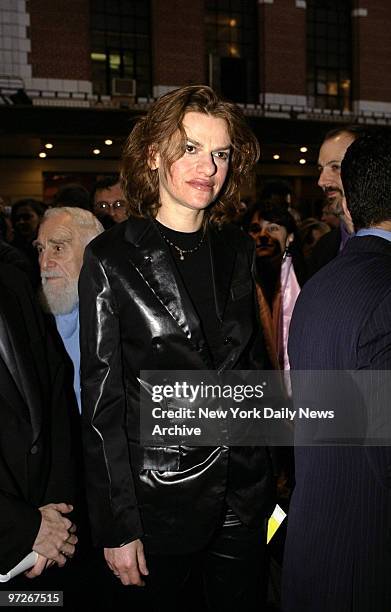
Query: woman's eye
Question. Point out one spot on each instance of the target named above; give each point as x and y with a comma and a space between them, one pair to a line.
190, 148
273, 228
222, 155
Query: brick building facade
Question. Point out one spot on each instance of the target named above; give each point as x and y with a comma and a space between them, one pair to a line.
76, 72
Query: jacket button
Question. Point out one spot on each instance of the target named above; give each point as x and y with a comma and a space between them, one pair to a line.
34, 449
227, 340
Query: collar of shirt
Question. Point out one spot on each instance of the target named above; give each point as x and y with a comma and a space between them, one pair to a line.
375, 231
67, 324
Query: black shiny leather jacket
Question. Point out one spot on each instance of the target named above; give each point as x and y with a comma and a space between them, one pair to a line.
134, 316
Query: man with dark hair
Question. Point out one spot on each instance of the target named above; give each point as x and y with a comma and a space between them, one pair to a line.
172, 289
331, 154
11, 255
26, 216
72, 195
337, 553
366, 176
108, 201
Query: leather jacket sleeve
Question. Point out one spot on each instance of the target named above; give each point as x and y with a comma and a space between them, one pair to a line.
114, 515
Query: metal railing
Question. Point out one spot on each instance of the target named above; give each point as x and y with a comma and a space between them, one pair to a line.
13, 91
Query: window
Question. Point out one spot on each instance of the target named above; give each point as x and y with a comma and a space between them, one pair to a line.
329, 41
232, 45
120, 32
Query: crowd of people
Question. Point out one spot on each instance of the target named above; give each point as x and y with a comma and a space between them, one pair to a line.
163, 268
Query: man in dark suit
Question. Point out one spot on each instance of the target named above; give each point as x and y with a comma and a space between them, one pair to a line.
338, 549
36, 485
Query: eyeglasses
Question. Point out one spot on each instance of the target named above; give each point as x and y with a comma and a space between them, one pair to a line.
117, 205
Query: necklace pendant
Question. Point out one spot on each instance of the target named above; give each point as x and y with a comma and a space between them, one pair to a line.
181, 255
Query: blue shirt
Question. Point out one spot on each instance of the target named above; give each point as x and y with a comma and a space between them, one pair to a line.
68, 328
375, 231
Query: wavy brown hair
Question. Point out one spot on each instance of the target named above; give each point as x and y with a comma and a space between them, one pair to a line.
162, 130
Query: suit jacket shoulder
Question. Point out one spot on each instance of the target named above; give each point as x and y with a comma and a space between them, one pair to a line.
324, 251
337, 303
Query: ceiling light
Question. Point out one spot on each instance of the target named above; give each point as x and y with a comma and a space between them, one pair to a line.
276, 156
302, 161
303, 149
48, 145
42, 154
96, 151
108, 142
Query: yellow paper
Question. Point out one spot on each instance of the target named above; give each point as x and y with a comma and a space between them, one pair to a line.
274, 522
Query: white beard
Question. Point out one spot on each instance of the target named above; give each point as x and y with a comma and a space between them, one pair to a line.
61, 298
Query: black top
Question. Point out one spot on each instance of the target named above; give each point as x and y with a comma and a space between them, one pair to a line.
195, 272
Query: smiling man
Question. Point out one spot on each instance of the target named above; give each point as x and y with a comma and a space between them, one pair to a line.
63, 235
330, 158
171, 289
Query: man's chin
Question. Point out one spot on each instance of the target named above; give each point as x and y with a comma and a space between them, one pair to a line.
335, 203
59, 302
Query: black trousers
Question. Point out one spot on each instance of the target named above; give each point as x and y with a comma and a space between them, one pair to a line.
230, 574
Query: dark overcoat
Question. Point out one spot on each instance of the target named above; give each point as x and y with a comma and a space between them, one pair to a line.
35, 437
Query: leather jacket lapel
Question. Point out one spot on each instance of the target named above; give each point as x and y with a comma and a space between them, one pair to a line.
154, 263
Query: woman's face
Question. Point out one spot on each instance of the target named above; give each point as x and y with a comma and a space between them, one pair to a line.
26, 222
270, 238
196, 179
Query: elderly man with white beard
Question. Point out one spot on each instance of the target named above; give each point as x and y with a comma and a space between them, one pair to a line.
63, 235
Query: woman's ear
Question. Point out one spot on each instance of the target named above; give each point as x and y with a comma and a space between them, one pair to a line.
153, 158
290, 238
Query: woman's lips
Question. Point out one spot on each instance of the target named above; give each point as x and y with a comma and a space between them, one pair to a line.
201, 185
